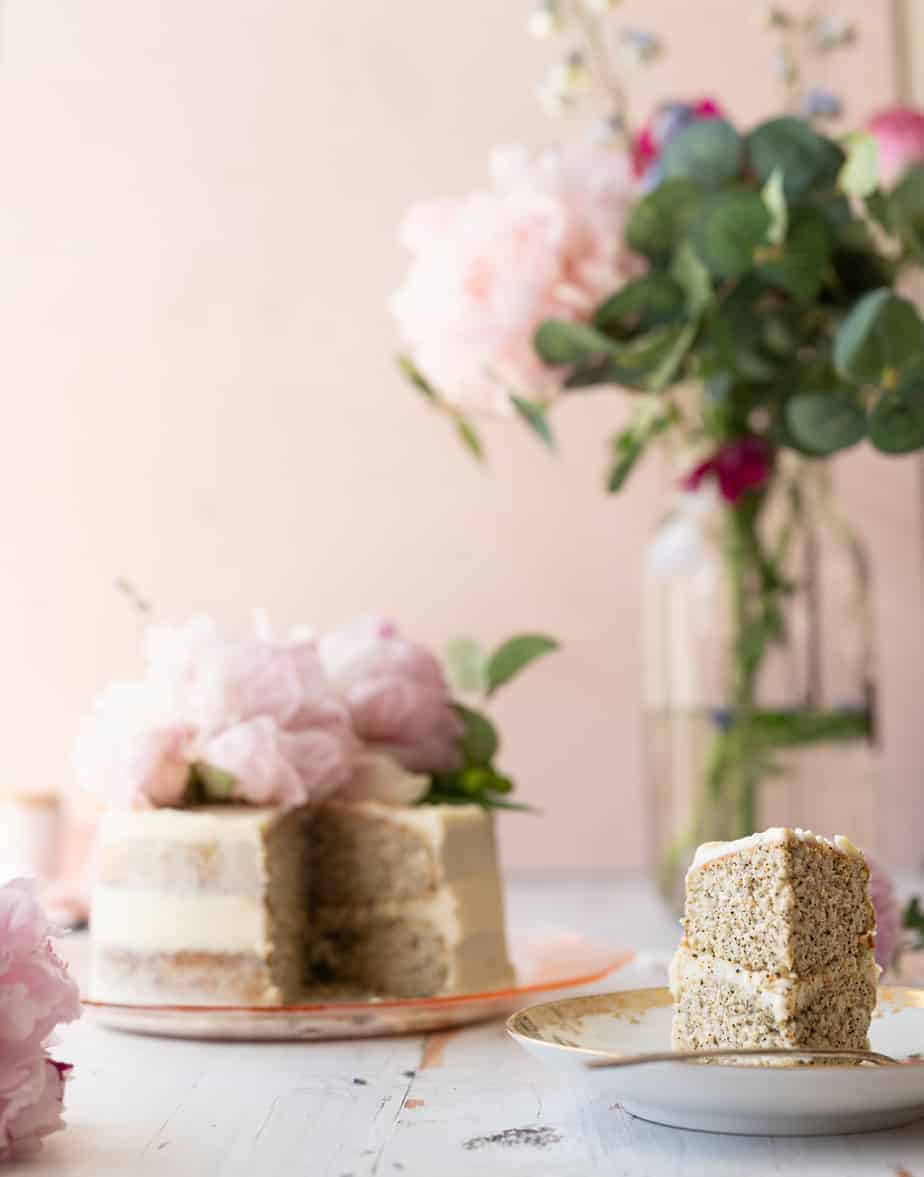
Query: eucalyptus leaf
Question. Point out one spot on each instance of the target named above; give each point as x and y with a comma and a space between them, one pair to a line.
859, 177
790, 145
664, 373
661, 219
650, 361
800, 265
480, 741
707, 152
692, 276
825, 422
904, 211
535, 417
561, 342
466, 665
514, 655
728, 231
896, 424
774, 198
649, 301
882, 334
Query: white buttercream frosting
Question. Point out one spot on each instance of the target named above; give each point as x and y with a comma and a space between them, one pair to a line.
709, 851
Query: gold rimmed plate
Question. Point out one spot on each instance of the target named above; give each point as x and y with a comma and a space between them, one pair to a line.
745, 1099
542, 968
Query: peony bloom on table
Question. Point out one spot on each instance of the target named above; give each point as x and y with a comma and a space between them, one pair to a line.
261, 713
899, 133
36, 994
398, 698
545, 241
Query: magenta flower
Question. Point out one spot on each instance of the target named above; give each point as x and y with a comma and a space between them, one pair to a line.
398, 698
738, 466
899, 132
888, 915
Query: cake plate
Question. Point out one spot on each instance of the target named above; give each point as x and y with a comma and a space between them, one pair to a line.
737, 1098
542, 968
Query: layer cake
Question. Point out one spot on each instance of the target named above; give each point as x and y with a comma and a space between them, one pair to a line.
778, 946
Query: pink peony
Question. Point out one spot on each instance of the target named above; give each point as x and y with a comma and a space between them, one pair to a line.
31, 1102
36, 990
545, 241
899, 133
888, 915
738, 466
398, 698
260, 711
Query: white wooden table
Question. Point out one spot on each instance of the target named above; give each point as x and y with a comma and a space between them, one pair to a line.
464, 1104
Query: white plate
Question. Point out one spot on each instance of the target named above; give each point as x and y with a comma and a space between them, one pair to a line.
751, 1100
542, 968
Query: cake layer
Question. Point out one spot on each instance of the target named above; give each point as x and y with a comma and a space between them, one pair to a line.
718, 1004
370, 852
782, 901
392, 900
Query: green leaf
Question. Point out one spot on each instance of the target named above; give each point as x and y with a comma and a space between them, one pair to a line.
629, 445
480, 741
859, 176
774, 198
645, 302
417, 378
904, 211
882, 334
707, 152
466, 664
561, 342
691, 275
896, 424
217, 784
825, 422
469, 438
800, 267
535, 417
514, 655
661, 219
663, 374
729, 229
806, 159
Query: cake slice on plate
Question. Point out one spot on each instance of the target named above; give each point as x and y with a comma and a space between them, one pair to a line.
778, 946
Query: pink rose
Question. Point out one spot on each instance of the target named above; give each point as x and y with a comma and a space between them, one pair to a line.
899, 133
544, 241
398, 698
36, 990
31, 1102
738, 466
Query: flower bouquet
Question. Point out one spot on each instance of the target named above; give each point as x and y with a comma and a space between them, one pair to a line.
741, 286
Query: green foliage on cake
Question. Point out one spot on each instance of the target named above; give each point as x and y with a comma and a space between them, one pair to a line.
478, 674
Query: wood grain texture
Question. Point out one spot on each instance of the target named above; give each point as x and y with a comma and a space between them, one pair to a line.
147, 1107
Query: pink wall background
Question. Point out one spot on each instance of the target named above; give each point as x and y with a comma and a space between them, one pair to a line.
198, 234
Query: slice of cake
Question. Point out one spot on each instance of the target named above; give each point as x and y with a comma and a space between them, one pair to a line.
239, 905
778, 945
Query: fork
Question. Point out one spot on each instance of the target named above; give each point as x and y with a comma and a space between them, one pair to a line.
674, 1056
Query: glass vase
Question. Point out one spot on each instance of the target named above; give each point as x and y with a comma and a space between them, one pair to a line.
759, 697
